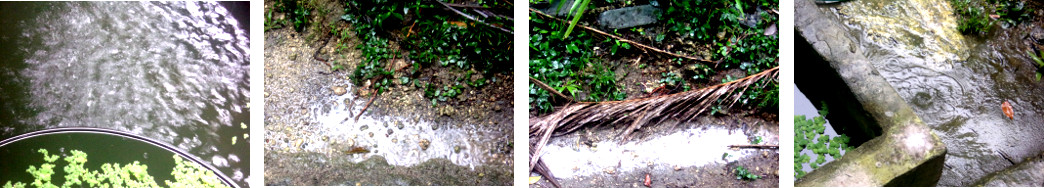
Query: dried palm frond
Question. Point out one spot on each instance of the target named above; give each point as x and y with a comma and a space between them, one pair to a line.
637, 113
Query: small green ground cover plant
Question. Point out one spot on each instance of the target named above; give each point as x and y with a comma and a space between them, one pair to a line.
744, 174
810, 134
186, 174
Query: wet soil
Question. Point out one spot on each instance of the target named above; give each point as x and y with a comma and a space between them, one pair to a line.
296, 85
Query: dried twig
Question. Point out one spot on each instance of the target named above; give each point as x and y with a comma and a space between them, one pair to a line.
630, 41
367, 106
472, 18
463, 6
544, 86
755, 146
684, 106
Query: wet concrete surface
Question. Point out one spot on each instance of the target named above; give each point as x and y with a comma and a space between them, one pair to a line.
955, 83
1025, 174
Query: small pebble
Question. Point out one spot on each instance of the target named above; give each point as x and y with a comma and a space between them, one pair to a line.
371, 134
424, 143
363, 128
339, 90
456, 149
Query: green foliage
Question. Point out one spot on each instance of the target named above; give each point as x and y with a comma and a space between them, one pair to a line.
743, 44
568, 66
186, 174
271, 22
577, 11
1039, 59
740, 39
744, 174
974, 19
810, 134
432, 39
376, 53
295, 11
1011, 12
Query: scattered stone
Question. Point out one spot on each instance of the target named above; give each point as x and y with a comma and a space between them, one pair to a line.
399, 124
629, 17
424, 143
559, 7
339, 90
397, 64
434, 126
446, 110
371, 134
609, 170
677, 168
395, 140
363, 128
390, 131
347, 102
456, 149
350, 142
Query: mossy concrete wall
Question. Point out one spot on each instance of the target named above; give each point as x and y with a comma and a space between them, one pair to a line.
907, 153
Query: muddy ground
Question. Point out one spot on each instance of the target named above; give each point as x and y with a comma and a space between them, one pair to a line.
295, 82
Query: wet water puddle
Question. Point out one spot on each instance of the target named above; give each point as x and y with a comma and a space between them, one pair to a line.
402, 141
698, 145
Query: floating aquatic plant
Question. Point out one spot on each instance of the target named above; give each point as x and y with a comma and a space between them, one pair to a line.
135, 174
810, 134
